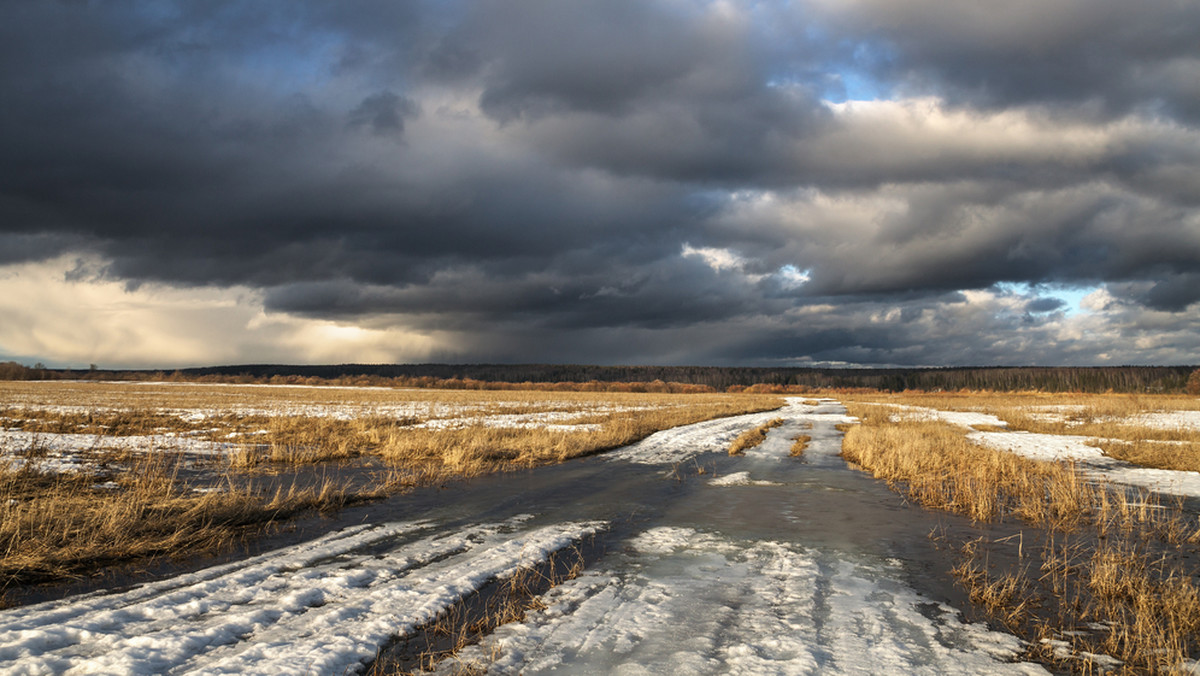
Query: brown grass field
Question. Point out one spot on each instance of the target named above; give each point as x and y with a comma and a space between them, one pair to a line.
1120, 565
131, 503
1116, 422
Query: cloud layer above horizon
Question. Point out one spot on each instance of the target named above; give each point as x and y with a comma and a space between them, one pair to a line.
874, 182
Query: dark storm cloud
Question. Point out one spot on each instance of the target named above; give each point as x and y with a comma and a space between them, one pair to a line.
1118, 55
534, 173
1046, 305
20, 247
383, 113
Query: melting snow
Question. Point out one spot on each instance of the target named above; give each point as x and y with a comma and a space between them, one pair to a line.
740, 479
320, 607
1091, 460
714, 436
67, 452
696, 603
961, 418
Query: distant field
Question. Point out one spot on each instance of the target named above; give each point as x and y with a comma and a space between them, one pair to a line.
1157, 431
104, 472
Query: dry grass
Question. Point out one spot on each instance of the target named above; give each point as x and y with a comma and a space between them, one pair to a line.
55, 525
1158, 454
941, 469
478, 448
1126, 568
58, 525
458, 431
1108, 418
1154, 613
799, 445
753, 437
1124, 598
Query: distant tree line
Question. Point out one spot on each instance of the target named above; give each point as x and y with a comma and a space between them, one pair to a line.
576, 377
1047, 379
11, 370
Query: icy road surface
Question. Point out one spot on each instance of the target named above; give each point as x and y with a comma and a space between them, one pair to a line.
706, 564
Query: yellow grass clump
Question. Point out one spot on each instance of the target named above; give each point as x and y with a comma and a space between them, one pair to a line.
57, 525
753, 437
1183, 456
800, 444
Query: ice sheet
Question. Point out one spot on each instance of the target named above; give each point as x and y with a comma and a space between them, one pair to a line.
683, 601
714, 436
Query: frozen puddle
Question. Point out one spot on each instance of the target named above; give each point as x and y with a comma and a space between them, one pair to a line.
683, 601
714, 436
324, 607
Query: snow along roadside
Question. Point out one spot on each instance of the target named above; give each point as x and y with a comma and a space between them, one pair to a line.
325, 606
680, 444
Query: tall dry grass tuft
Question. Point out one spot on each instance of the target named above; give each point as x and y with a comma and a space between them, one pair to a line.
753, 437
799, 445
54, 526
1181, 456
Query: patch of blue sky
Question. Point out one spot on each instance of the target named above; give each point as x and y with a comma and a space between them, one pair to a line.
837, 86
792, 277
1071, 295
852, 85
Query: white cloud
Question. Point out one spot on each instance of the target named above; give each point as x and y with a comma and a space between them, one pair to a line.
95, 320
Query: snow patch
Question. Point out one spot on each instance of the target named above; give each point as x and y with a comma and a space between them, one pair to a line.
681, 444
699, 603
740, 479
960, 418
1091, 460
325, 606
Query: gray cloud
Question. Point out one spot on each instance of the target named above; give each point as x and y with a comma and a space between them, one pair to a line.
383, 113
544, 177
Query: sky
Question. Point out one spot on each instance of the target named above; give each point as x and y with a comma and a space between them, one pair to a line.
777, 183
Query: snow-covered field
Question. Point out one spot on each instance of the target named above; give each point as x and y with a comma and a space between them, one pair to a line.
1161, 420
685, 590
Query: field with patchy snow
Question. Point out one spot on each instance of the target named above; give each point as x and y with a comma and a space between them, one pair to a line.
1086, 450
692, 560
